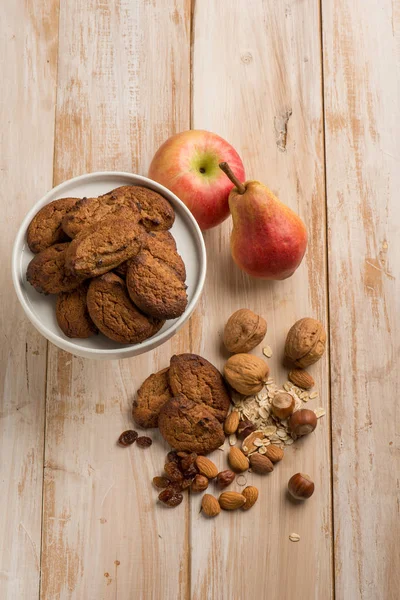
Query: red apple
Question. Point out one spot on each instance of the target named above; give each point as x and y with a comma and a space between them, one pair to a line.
187, 164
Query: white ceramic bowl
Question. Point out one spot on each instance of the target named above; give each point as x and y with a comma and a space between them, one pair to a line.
40, 309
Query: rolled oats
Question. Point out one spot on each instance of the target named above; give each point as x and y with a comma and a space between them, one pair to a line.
267, 351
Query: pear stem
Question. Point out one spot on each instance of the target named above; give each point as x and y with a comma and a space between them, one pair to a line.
229, 173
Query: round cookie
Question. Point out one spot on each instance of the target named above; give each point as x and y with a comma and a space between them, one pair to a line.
156, 212
162, 245
115, 315
72, 314
200, 381
45, 228
155, 287
189, 427
48, 273
151, 396
103, 246
88, 211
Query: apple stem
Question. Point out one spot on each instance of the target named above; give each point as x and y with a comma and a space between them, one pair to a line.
229, 173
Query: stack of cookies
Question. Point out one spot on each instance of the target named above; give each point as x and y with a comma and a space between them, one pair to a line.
112, 262
188, 401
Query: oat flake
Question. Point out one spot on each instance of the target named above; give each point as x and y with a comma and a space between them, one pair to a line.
267, 351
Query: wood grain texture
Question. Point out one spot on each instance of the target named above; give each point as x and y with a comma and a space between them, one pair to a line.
257, 82
28, 56
362, 100
123, 87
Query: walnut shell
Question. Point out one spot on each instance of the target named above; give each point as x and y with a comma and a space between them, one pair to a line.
243, 331
246, 373
305, 342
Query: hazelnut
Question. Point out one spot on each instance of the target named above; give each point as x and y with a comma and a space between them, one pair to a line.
246, 373
200, 483
243, 331
303, 422
301, 486
225, 478
282, 405
305, 342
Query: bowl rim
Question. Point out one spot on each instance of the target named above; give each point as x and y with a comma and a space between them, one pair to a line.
128, 350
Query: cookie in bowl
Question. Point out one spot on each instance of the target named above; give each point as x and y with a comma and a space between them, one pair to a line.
48, 274
114, 313
45, 228
72, 313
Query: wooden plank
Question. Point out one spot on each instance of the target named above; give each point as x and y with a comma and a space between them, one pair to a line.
118, 99
257, 82
28, 59
362, 101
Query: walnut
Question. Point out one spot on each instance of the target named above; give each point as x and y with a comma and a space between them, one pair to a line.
246, 373
305, 342
244, 331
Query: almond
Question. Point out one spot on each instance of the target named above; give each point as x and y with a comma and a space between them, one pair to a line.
210, 506
248, 446
301, 378
274, 453
231, 422
251, 494
261, 464
237, 460
231, 500
206, 467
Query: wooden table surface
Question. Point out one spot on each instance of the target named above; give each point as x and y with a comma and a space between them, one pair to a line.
309, 94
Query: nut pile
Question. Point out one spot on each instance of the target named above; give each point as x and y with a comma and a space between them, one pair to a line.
189, 402
184, 471
257, 411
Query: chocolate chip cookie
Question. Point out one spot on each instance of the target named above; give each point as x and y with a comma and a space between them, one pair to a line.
190, 427
200, 381
115, 315
88, 211
48, 273
45, 228
155, 286
151, 396
103, 246
72, 314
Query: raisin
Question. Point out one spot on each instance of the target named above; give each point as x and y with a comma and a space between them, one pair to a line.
170, 498
191, 472
128, 437
172, 457
188, 461
186, 483
173, 472
161, 482
144, 441
176, 486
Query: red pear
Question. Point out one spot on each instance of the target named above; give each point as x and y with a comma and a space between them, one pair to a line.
268, 239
